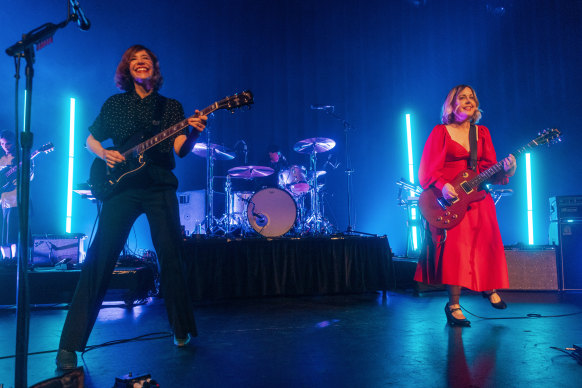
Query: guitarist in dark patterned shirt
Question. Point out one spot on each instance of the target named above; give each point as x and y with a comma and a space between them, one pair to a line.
141, 110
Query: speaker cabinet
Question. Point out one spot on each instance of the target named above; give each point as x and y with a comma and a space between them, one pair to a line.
568, 234
51, 249
532, 269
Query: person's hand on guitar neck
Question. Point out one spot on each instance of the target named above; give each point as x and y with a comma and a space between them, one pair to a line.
449, 192
183, 144
509, 165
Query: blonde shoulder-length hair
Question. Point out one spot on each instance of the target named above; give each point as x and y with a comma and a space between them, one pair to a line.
449, 108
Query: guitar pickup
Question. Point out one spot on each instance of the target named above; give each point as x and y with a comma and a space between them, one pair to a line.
443, 203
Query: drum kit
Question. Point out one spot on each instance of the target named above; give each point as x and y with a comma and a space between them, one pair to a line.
293, 208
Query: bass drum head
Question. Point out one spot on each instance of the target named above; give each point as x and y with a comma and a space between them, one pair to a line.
271, 212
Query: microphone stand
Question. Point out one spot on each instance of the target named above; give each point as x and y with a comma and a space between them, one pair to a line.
349, 171
25, 48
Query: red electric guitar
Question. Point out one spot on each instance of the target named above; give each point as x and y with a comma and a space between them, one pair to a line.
446, 214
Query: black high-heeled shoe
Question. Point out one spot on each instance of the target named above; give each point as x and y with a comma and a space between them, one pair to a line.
498, 305
452, 321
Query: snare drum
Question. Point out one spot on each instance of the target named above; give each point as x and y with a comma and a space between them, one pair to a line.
271, 212
294, 180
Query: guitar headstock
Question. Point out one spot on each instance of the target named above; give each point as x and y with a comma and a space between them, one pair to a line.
48, 147
548, 136
236, 101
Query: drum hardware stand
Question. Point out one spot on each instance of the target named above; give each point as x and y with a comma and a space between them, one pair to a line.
315, 216
228, 206
211, 222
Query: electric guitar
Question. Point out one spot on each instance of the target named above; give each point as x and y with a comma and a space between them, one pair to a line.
446, 214
8, 177
104, 180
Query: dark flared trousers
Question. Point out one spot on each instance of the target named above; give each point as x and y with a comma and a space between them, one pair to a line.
118, 215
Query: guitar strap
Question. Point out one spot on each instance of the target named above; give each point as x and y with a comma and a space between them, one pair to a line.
157, 116
473, 147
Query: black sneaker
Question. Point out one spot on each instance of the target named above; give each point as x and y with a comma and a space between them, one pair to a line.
66, 360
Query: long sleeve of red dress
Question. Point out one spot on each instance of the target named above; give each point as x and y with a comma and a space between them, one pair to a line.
472, 253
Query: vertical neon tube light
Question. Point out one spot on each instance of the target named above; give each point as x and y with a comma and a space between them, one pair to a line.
530, 234
411, 178
71, 159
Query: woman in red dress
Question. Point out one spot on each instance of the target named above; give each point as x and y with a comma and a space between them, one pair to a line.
471, 254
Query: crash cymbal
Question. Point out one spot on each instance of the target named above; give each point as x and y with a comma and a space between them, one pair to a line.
217, 152
314, 144
248, 172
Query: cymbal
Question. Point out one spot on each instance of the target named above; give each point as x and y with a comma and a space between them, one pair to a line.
314, 145
217, 152
250, 172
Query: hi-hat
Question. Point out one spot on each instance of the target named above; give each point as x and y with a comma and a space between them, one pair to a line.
217, 152
314, 144
248, 172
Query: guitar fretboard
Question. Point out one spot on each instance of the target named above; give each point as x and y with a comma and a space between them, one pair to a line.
167, 133
497, 167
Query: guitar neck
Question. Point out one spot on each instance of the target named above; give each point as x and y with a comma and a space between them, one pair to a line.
497, 167
13, 169
167, 133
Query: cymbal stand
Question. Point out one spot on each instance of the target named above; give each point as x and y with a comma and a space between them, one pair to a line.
228, 204
315, 216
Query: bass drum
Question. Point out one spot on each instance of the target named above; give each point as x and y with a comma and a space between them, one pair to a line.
271, 212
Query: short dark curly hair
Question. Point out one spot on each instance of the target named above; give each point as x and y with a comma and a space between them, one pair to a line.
123, 78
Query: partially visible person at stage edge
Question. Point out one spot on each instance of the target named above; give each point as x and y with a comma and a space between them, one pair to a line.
152, 191
8, 199
275, 160
470, 254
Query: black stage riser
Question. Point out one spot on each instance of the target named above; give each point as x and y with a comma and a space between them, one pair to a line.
228, 268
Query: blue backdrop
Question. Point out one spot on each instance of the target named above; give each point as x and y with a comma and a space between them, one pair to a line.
373, 60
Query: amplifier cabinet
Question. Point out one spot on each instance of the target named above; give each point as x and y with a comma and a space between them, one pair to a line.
532, 269
568, 235
566, 207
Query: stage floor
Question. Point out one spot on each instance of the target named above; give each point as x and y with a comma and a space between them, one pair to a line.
357, 340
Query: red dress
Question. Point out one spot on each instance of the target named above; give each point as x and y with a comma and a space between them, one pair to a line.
472, 254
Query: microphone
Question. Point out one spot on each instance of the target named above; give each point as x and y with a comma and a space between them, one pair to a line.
261, 219
82, 21
322, 107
